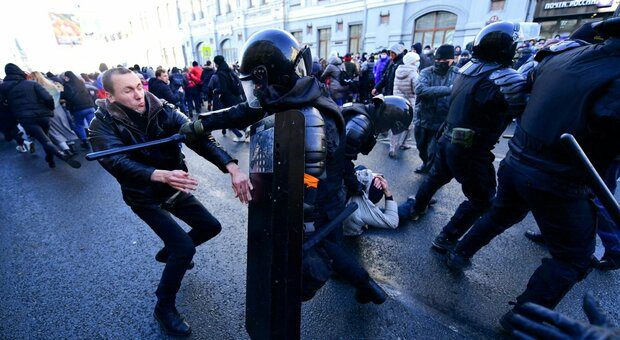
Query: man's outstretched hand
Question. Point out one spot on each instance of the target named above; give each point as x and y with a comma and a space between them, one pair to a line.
532, 321
240, 183
178, 179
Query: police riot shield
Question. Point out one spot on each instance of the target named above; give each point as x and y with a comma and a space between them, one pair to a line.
275, 227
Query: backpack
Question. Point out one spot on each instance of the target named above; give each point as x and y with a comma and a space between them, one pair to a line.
344, 78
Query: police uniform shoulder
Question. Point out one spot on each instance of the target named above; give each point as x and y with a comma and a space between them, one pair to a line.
558, 48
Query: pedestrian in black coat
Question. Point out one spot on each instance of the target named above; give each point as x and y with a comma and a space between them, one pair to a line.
159, 86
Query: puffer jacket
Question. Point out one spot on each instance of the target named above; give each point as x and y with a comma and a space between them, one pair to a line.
386, 84
113, 128
405, 82
332, 71
26, 98
379, 67
433, 96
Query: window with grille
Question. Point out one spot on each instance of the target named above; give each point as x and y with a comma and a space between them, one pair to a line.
324, 42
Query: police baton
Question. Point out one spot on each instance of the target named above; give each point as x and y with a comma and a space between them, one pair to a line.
328, 228
123, 149
594, 180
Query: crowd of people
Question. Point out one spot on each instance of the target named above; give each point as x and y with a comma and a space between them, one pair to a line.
457, 101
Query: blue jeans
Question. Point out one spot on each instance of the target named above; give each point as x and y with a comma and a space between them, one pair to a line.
82, 120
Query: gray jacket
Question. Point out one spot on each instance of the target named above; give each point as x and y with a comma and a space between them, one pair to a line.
332, 71
433, 96
405, 82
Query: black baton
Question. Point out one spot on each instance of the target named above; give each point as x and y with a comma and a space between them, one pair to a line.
328, 228
111, 152
594, 180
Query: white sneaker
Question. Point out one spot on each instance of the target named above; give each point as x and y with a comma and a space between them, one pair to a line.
238, 139
21, 148
29, 146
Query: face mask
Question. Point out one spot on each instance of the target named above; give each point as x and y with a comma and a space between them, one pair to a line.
383, 55
441, 67
427, 52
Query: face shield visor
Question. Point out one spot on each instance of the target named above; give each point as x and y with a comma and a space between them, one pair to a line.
255, 86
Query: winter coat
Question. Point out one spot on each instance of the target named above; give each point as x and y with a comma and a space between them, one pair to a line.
163, 91
379, 67
316, 70
113, 128
332, 71
386, 85
193, 76
26, 98
225, 88
75, 94
207, 73
433, 96
351, 69
367, 213
177, 80
405, 82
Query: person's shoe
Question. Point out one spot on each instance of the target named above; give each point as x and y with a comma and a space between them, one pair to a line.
69, 160
29, 146
456, 261
443, 243
608, 262
171, 321
432, 201
50, 161
422, 169
405, 147
238, 139
535, 237
21, 148
85, 145
370, 291
407, 210
392, 154
162, 256
68, 152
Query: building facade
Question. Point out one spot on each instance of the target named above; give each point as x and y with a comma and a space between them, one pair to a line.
214, 27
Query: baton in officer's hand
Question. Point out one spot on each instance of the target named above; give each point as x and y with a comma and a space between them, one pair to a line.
124, 149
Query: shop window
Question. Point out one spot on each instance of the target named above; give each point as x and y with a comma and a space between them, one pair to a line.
384, 19
435, 28
324, 42
497, 5
355, 36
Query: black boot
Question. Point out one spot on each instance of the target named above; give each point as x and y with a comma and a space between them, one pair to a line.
456, 261
69, 160
171, 321
422, 169
162, 256
535, 237
370, 291
50, 161
443, 243
609, 261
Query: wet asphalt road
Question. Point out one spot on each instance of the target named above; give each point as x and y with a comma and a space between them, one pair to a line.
75, 262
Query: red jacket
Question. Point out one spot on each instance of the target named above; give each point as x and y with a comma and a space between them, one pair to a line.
194, 76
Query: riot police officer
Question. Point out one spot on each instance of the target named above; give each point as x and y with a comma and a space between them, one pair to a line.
574, 89
478, 115
275, 77
364, 122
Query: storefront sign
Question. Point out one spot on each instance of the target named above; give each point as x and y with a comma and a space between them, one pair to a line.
568, 4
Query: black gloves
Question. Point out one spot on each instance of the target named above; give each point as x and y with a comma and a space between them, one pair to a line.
193, 130
532, 321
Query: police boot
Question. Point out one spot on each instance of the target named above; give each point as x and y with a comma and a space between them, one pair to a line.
609, 261
370, 291
422, 169
535, 237
50, 161
443, 243
162, 256
172, 322
69, 160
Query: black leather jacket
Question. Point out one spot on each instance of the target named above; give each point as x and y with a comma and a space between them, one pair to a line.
112, 128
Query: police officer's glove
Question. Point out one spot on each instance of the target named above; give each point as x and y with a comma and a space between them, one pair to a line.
193, 131
512, 84
532, 321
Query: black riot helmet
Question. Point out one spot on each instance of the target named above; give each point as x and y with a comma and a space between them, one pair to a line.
609, 27
272, 60
392, 113
497, 42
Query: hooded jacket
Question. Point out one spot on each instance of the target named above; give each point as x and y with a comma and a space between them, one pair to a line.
76, 94
332, 71
379, 67
26, 98
405, 82
113, 127
163, 91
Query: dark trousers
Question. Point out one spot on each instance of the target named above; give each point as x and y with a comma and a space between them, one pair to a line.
8, 127
235, 131
426, 143
194, 99
568, 225
180, 245
608, 230
39, 128
473, 168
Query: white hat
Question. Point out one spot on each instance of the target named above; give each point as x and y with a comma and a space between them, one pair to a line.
410, 58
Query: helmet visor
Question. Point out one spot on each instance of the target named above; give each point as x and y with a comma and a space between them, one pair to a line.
255, 86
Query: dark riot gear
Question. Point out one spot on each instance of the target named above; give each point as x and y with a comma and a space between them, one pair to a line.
392, 113
497, 42
272, 60
315, 150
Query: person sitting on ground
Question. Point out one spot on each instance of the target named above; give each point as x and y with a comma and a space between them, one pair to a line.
368, 213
